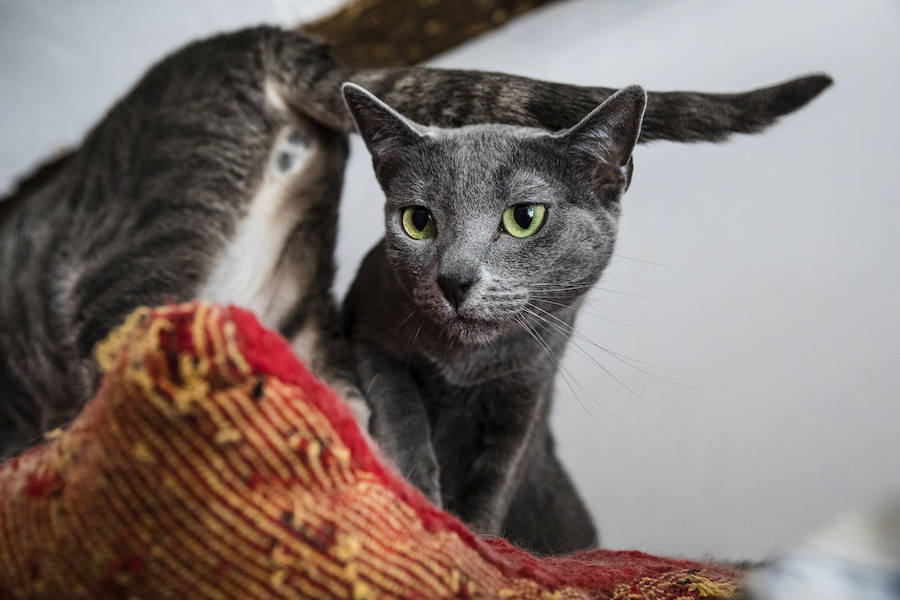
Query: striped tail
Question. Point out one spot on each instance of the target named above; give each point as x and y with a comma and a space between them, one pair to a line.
452, 98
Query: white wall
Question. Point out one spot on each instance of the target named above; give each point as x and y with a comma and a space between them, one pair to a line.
64, 63
767, 279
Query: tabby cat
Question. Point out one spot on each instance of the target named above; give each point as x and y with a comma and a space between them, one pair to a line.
218, 176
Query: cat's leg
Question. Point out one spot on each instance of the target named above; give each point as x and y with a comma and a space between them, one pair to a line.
318, 342
336, 369
482, 500
546, 515
399, 421
347, 390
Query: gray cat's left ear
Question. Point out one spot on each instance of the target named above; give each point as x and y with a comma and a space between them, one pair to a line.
610, 132
382, 128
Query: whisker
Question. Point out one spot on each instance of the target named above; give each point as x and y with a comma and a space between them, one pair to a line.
369, 387
404, 320
641, 260
621, 276
561, 286
412, 344
542, 295
557, 290
587, 354
609, 291
616, 355
591, 313
566, 376
451, 343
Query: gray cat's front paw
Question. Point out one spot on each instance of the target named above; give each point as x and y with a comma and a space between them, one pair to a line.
484, 525
425, 476
432, 491
359, 408
350, 394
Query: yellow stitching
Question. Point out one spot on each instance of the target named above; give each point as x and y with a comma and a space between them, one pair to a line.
232, 348
142, 453
361, 591
107, 351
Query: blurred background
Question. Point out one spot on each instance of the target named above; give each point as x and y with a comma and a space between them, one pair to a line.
756, 287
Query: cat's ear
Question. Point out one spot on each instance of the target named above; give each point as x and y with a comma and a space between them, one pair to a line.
383, 129
608, 135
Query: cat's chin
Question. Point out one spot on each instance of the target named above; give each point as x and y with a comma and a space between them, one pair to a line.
472, 332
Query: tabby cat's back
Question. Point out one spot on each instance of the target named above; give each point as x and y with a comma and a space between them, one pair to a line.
198, 183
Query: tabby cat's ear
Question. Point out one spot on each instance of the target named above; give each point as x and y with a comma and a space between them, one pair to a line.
383, 129
608, 134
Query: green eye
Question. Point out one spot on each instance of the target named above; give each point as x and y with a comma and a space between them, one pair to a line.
418, 223
523, 220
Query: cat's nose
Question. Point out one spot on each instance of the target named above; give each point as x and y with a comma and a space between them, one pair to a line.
455, 287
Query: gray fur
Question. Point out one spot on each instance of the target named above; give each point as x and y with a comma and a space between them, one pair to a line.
460, 388
150, 204
457, 337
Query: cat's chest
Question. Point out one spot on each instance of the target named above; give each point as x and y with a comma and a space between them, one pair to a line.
460, 415
456, 366
466, 422
460, 418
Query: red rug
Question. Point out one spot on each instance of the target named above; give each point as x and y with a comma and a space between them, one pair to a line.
212, 464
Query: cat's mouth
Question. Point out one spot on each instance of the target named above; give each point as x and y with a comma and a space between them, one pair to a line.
470, 323
473, 330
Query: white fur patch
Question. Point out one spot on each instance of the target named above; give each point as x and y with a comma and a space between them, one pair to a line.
246, 272
273, 96
306, 342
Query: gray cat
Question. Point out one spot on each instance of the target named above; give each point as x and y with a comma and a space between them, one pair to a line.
218, 175
494, 234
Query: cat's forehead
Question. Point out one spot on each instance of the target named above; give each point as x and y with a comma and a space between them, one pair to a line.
478, 167
483, 131
489, 151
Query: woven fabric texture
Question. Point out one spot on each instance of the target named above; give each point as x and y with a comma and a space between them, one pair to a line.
212, 464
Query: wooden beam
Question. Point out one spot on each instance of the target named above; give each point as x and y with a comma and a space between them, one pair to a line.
394, 33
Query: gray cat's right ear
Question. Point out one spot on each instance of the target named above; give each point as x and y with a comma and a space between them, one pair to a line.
383, 129
609, 134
